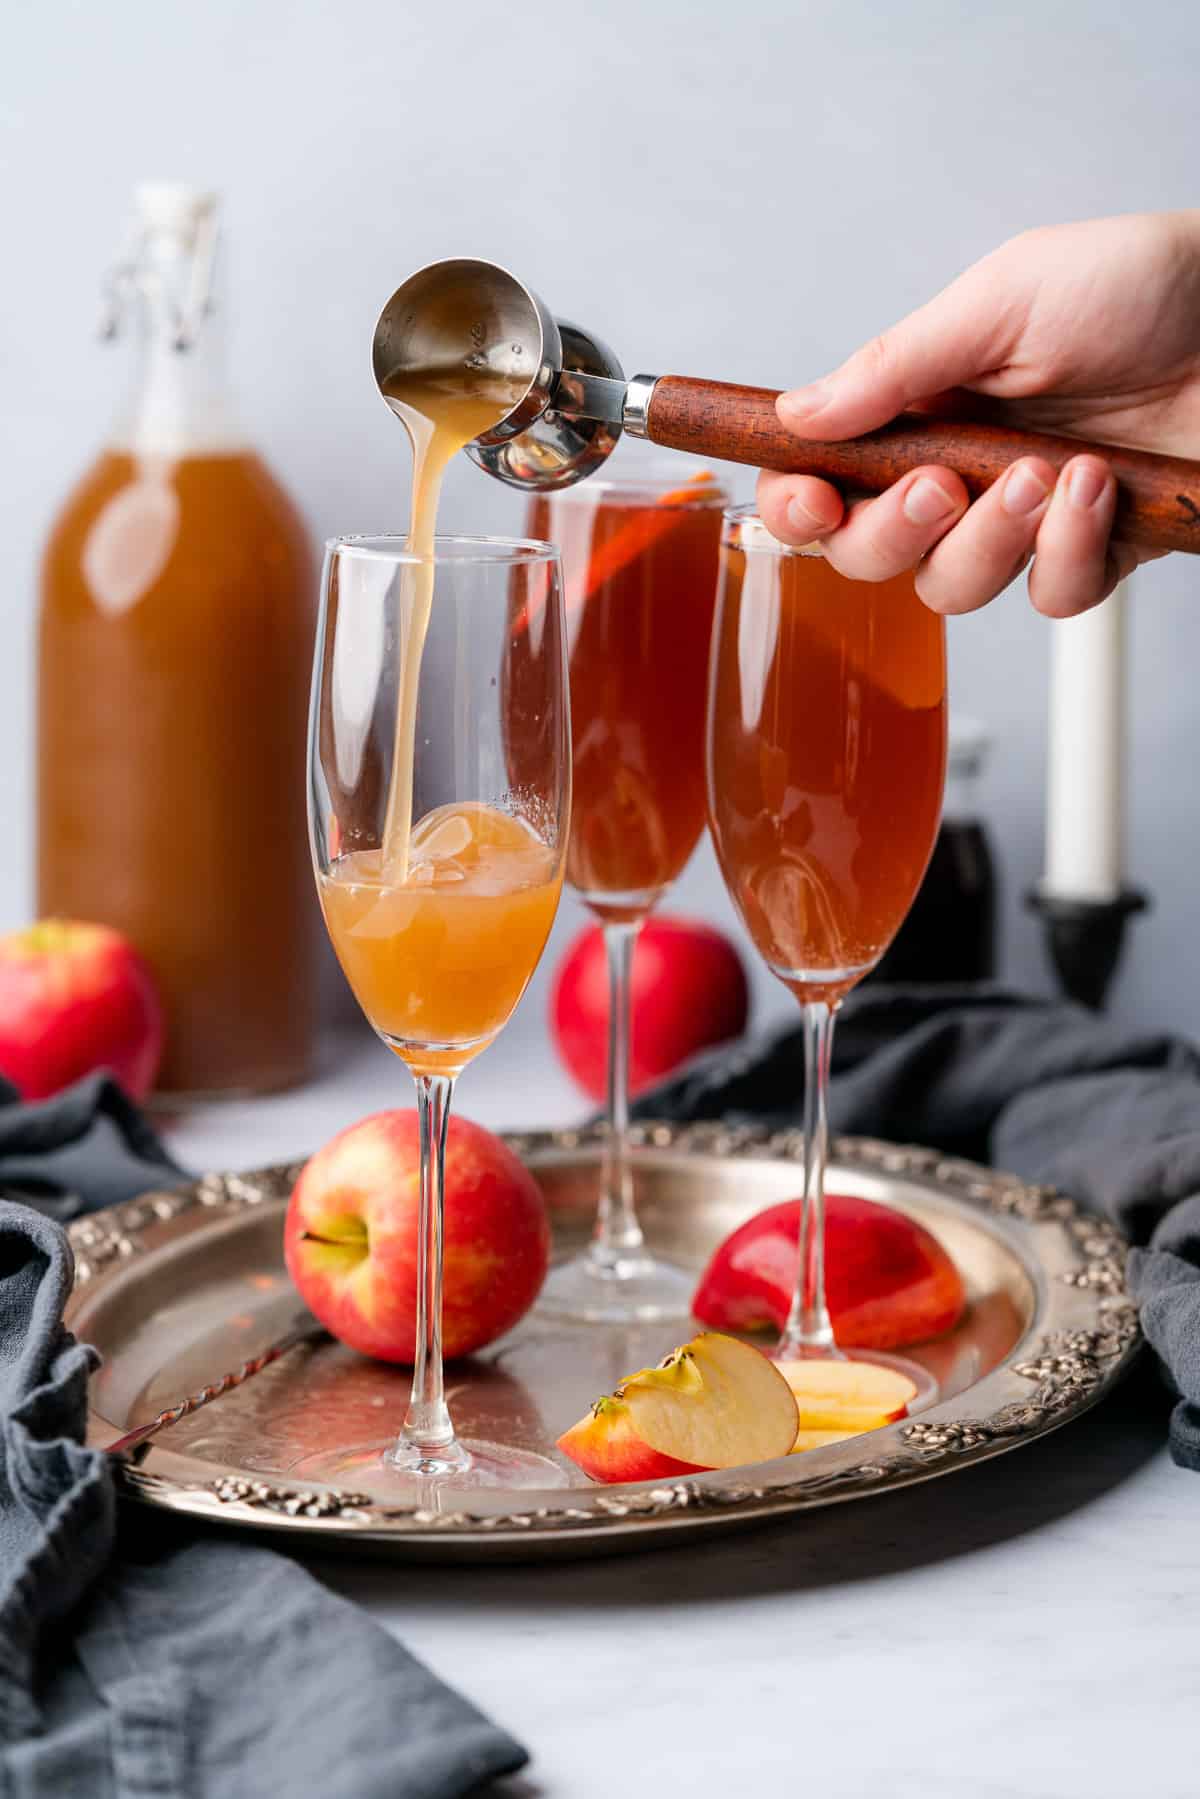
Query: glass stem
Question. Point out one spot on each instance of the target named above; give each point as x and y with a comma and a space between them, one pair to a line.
427, 1427
618, 1235
809, 1330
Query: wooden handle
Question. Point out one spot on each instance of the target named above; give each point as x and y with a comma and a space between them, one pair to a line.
1158, 497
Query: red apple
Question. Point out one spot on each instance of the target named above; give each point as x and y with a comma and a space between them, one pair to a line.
888, 1279
350, 1238
75, 998
688, 991
714, 1403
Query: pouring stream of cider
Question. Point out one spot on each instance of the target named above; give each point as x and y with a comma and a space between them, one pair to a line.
442, 414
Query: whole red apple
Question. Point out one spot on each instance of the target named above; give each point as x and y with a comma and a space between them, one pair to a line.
350, 1238
75, 998
888, 1280
688, 991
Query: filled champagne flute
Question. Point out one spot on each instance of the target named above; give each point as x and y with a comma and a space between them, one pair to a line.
639, 567
826, 749
438, 873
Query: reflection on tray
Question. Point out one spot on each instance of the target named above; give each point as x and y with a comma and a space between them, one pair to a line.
162, 1315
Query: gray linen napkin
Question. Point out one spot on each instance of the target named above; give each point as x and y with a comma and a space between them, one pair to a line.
87, 1147
152, 1665
1045, 1090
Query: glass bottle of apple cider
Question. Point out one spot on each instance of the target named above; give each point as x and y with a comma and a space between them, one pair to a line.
174, 650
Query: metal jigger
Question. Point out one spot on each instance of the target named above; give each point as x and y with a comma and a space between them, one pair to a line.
1084, 938
474, 316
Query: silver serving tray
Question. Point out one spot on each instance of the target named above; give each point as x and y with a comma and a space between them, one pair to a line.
178, 1287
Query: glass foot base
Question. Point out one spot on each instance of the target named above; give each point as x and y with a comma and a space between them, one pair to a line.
928, 1391
922, 1380
637, 1289
395, 1475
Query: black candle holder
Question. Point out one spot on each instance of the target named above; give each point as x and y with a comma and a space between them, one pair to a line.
1084, 938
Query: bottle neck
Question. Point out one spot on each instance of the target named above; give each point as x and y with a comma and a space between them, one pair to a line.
178, 401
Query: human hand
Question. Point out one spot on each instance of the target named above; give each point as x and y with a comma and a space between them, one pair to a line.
1088, 330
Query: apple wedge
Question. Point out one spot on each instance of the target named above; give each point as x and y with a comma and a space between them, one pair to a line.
714, 1403
817, 1439
833, 1395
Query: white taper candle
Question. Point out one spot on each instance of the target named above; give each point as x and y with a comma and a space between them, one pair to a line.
1085, 763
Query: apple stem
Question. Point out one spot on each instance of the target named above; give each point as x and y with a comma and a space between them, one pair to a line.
809, 1329
427, 1438
618, 1235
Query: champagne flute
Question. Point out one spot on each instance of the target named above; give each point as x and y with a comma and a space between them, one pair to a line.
826, 748
440, 923
639, 565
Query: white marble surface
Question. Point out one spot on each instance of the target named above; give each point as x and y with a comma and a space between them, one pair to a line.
1024, 1630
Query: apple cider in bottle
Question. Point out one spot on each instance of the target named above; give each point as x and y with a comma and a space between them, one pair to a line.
174, 649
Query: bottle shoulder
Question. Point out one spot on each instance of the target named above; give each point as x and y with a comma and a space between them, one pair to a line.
138, 526
108, 471
277, 498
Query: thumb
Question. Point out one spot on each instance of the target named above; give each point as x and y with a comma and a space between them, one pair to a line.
965, 332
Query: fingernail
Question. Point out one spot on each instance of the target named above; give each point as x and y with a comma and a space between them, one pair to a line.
801, 519
925, 502
1087, 482
1023, 493
803, 402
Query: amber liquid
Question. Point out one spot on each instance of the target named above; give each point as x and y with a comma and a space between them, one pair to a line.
173, 671
640, 580
827, 757
439, 961
441, 417
440, 928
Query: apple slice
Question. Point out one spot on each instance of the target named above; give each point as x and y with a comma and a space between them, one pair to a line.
846, 1396
714, 1403
647, 526
589, 565
817, 1439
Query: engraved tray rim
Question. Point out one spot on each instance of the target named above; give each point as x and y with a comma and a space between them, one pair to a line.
1081, 1339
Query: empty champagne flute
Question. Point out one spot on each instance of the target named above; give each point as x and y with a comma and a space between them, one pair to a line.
439, 874
826, 748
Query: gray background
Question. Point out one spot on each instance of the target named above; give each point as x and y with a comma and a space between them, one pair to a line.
743, 192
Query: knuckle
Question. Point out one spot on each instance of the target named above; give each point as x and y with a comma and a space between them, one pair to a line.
875, 356
1033, 238
880, 562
